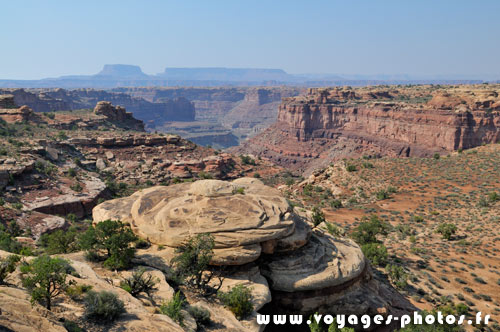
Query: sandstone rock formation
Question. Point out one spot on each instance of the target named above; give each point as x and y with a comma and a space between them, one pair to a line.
251, 222
118, 115
330, 124
12, 114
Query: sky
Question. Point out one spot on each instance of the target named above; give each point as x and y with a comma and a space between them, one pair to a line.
51, 38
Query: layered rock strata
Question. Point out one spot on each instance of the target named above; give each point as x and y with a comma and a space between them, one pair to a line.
253, 225
325, 125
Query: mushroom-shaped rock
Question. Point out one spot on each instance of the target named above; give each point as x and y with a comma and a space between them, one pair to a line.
244, 217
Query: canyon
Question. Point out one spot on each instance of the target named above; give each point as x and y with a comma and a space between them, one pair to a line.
326, 125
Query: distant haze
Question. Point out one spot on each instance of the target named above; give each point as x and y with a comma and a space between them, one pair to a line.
324, 39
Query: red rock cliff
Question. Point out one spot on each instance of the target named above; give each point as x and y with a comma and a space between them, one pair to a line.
410, 121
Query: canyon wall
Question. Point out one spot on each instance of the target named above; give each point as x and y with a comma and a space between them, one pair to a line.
329, 124
237, 112
152, 113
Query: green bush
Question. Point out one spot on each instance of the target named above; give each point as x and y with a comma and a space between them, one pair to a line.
139, 282
72, 172
45, 278
77, 291
367, 165
173, 308
77, 187
200, 315
191, 263
382, 194
351, 168
60, 242
493, 197
247, 160
7, 266
238, 300
367, 231
336, 203
446, 230
239, 190
436, 156
71, 326
334, 229
8, 242
103, 306
114, 239
376, 253
397, 275
205, 175
317, 216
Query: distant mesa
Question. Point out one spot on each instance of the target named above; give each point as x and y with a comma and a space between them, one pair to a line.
227, 74
122, 71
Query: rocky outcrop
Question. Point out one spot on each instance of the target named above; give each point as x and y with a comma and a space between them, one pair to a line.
68, 201
329, 124
253, 224
9, 112
118, 115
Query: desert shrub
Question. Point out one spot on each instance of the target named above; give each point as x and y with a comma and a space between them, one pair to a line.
173, 308
336, 203
239, 190
483, 202
76, 187
367, 231
351, 168
256, 175
205, 175
8, 242
436, 156
114, 239
200, 315
60, 242
191, 263
382, 194
334, 229
397, 275
418, 219
376, 253
142, 244
7, 266
317, 216
103, 306
446, 230
71, 326
45, 167
367, 165
77, 291
247, 160
238, 300
72, 172
139, 282
493, 196
45, 278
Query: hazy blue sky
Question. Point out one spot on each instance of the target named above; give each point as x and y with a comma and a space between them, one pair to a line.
52, 38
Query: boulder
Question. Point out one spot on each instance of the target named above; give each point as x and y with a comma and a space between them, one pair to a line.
241, 215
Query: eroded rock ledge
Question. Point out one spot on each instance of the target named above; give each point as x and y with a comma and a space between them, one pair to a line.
306, 270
